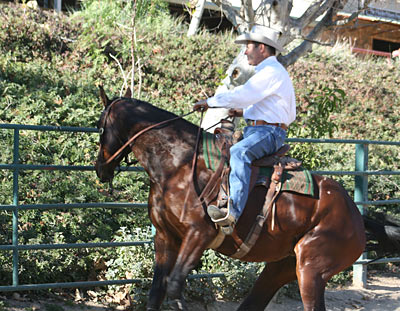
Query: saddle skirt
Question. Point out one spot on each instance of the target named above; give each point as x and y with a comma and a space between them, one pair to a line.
299, 180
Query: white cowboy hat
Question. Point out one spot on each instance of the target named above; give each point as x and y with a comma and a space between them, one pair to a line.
261, 34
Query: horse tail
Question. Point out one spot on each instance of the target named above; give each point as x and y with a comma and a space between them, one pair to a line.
385, 232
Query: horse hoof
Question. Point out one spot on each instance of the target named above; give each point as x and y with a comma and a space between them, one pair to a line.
177, 304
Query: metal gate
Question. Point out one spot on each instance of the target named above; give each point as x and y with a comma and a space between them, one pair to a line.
361, 174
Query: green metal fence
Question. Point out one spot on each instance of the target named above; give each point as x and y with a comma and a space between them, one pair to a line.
360, 173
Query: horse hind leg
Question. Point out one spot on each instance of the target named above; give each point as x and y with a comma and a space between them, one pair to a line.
331, 246
271, 279
319, 257
312, 290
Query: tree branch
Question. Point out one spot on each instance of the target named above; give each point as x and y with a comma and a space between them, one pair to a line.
247, 5
312, 13
196, 18
306, 45
232, 15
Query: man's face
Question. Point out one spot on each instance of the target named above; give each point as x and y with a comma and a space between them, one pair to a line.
254, 53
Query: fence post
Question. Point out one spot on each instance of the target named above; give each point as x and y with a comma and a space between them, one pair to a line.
15, 210
57, 5
361, 195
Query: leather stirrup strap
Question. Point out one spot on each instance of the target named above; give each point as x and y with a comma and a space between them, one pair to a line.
210, 190
253, 235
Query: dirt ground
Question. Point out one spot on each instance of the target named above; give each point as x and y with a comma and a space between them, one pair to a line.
382, 294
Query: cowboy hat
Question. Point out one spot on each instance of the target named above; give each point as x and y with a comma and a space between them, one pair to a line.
263, 35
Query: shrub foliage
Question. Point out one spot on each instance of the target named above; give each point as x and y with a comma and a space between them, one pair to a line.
50, 68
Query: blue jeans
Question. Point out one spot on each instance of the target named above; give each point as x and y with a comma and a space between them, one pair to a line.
258, 141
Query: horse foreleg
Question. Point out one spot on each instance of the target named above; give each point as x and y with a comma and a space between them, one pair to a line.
273, 277
165, 256
191, 250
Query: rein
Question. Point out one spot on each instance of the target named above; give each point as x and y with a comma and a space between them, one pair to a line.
192, 172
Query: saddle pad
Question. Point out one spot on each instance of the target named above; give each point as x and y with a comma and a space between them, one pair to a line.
299, 181
212, 155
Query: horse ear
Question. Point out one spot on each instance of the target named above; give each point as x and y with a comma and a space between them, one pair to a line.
103, 96
128, 93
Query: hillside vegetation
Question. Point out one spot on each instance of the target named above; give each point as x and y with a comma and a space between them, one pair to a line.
50, 69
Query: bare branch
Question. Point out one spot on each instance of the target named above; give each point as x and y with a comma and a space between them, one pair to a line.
306, 45
124, 76
353, 16
133, 42
248, 12
312, 13
195, 21
232, 14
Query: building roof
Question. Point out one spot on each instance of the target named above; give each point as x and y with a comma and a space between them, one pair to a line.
379, 10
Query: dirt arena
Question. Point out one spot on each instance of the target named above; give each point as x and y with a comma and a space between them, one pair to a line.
382, 294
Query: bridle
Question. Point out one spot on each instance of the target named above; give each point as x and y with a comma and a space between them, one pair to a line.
102, 128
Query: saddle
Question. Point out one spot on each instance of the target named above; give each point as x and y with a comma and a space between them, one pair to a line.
225, 138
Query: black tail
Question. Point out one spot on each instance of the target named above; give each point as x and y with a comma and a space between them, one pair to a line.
383, 235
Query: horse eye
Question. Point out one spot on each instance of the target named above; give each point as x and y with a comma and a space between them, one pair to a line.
235, 73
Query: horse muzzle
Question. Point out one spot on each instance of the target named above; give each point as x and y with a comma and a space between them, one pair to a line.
103, 172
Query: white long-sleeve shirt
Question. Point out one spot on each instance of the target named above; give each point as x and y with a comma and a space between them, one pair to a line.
268, 95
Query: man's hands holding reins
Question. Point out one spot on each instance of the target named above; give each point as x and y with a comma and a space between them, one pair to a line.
235, 112
203, 106
200, 105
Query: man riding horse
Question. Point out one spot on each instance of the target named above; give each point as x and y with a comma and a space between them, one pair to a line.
303, 237
267, 102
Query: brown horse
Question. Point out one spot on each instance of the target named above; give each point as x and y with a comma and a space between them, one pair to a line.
314, 237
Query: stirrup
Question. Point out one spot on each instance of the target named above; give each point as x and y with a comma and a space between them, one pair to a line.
222, 218
228, 229
217, 214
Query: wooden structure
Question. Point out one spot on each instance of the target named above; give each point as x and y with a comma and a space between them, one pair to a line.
370, 34
375, 31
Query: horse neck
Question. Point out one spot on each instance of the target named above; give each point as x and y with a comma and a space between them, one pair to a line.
163, 151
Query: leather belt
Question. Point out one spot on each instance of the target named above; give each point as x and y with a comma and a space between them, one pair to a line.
262, 122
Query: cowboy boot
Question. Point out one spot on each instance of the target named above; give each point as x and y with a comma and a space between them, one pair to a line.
222, 218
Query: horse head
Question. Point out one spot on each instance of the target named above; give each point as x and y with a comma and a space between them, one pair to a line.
110, 139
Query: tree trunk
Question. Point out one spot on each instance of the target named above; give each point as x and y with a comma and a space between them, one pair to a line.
195, 22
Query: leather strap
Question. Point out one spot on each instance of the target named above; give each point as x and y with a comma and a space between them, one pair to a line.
253, 235
218, 240
262, 122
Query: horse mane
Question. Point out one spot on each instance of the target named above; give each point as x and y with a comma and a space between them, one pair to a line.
134, 112
153, 114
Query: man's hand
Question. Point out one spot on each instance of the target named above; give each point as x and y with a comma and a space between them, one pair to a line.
235, 112
201, 105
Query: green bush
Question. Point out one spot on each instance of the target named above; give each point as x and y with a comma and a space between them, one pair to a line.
50, 66
33, 34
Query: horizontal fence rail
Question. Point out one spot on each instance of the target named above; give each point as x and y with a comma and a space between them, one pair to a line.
360, 174
371, 52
